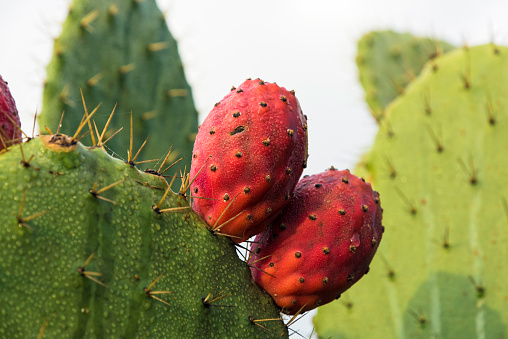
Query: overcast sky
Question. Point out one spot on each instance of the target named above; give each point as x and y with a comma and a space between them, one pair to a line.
308, 46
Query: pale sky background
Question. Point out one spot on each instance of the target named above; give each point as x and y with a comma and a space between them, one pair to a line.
308, 46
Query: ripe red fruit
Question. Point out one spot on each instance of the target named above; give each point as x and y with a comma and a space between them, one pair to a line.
322, 243
248, 156
9, 118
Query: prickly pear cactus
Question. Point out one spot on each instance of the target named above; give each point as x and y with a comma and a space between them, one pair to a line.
439, 161
387, 61
121, 53
90, 247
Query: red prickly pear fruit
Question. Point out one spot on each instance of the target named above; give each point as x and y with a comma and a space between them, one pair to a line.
9, 133
248, 156
321, 244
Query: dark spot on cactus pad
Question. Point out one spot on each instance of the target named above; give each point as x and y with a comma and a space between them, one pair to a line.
288, 170
298, 254
268, 210
226, 197
373, 242
325, 280
350, 277
352, 248
283, 226
326, 250
238, 129
233, 88
292, 91
318, 185
239, 154
342, 211
290, 132
271, 264
283, 98
266, 142
236, 114
212, 130
345, 180
246, 190
267, 177
365, 208
312, 217
301, 280
263, 104
239, 90
213, 168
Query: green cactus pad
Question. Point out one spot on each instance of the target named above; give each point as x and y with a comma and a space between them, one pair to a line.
439, 162
387, 61
121, 53
83, 254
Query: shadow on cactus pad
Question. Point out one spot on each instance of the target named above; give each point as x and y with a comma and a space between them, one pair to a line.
445, 306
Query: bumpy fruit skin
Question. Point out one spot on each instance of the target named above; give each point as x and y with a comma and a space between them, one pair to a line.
248, 156
322, 243
9, 134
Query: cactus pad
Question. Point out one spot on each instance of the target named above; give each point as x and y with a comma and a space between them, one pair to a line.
439, 160
121, 53
90, 249
387, 61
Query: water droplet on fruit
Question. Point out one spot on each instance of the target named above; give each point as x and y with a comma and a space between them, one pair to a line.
355, 240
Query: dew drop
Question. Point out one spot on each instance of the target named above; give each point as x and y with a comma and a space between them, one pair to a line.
355, 240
